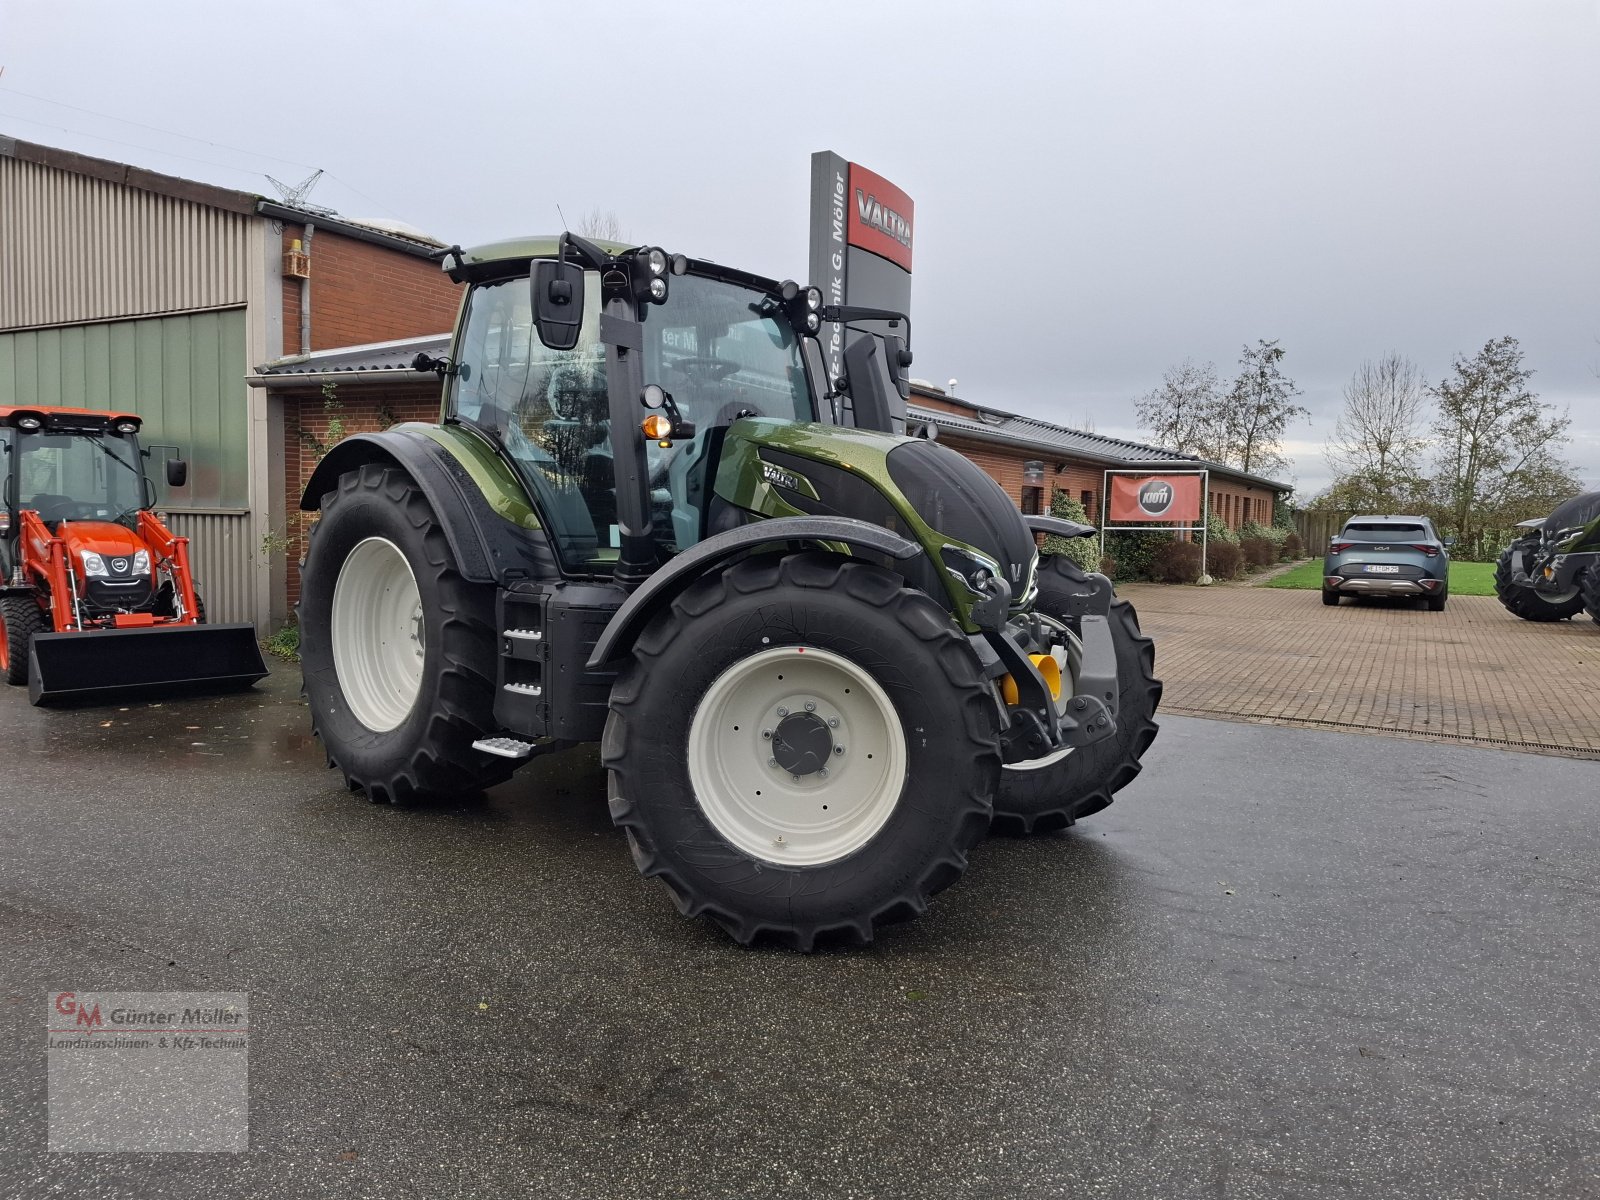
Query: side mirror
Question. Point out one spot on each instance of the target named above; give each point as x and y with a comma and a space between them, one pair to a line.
177, 472
899, 361
557, 302
874, 394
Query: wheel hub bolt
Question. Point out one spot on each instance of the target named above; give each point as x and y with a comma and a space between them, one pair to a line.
833, 722
838, 749
767, 733
772, 762
823, 771
811, 706
782, 711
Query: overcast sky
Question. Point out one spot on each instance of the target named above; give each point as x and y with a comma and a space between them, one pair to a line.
1101, 190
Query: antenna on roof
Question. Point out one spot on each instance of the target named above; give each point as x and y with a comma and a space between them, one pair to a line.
294, 195
951, 387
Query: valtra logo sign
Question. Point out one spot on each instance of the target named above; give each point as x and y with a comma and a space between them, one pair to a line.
880, 216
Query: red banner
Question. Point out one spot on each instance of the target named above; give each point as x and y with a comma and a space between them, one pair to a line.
880, 216
1139, 499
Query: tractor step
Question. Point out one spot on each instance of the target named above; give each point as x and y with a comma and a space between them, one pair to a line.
525, 689
505, 747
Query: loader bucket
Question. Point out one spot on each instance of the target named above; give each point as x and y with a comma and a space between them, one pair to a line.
98, 664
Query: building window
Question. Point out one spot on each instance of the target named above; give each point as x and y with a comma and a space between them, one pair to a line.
1086, 497
1032, 498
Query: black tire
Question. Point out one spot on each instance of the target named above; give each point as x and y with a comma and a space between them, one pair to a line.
1083, 782
1436, 603
429, 755
1589, 589
1523, 601
899, 637
1330, 597
20, 619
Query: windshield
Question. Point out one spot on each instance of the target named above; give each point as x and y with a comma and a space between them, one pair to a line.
71, 476
719, 349
1384, 531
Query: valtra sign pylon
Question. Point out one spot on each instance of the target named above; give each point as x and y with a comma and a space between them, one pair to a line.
863, 233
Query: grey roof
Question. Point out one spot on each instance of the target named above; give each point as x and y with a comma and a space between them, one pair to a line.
1028, 432
373, 357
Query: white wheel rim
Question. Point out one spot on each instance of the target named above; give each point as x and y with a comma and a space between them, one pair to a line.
756, 711
377, 633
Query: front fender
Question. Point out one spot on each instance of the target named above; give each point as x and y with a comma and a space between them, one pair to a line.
636, 611
487, 547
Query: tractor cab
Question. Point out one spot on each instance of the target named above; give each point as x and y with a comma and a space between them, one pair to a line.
714, 345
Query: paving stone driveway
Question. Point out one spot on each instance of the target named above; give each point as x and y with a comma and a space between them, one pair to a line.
1473, 672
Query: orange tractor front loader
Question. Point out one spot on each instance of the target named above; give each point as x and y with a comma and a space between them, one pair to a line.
96, 594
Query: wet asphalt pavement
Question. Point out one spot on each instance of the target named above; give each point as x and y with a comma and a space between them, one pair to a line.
1284, 963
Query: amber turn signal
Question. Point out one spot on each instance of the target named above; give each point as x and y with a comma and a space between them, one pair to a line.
657, 427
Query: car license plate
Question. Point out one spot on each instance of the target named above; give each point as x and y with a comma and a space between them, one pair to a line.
1380, 569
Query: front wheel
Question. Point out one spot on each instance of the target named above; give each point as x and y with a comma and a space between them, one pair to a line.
20, 619
803, 748
1523, 600
1053, 796
397, 650
1589, 589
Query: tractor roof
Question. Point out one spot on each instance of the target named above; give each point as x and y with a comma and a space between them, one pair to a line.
517, 250
7, 411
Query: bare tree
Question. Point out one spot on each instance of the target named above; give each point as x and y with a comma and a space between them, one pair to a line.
601, 224
1378, 440
1184, 413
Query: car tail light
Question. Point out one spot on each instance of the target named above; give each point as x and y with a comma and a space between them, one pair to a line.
1430, 551
1429, 584
1340, 547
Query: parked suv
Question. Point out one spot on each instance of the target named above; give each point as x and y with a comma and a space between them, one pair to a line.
1388, 556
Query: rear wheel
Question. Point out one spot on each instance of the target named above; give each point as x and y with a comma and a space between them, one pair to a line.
1436, 603
397, 649
20, 619
1527, 603
1053, 796
1329, 596
803, 748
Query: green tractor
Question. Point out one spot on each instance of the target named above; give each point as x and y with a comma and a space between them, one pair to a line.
820, 656
1551, 572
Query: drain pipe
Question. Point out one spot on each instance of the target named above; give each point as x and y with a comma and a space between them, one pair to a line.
305, 291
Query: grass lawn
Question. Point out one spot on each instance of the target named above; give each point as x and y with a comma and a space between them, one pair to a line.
1466, 578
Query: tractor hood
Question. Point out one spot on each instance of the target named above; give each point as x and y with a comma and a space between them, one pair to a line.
104, 538
964, 521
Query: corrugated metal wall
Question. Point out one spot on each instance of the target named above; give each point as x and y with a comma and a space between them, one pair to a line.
75, 248
184, 375
222, 556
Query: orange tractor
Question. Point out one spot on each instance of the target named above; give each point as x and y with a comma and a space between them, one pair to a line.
96, 594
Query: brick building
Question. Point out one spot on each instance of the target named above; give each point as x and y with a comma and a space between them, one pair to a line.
1007, 446
356, 389
125, 288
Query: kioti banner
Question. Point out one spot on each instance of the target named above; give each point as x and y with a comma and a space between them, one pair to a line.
1136, 499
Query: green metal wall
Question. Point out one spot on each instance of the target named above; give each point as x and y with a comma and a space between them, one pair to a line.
184, 375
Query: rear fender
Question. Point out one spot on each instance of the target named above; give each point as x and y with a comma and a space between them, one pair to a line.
709, 555
488, 548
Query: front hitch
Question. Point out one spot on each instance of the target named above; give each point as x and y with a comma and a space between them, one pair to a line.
1040, 722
